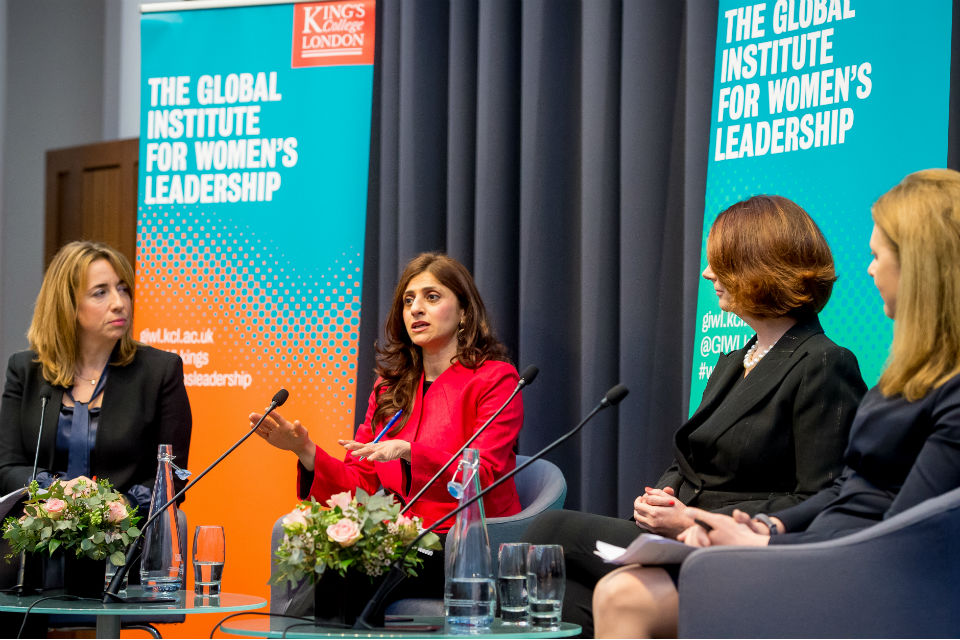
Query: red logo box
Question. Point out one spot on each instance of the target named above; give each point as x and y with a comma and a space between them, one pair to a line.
328, 34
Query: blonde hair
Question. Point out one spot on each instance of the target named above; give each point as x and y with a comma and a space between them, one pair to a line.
53, 331
920, 218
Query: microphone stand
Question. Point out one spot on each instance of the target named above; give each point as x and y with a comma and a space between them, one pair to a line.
372, 615
21, 587
110, 595
528, 376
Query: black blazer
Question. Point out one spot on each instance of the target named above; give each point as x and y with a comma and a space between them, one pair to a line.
144, 404
774, 438
900, 454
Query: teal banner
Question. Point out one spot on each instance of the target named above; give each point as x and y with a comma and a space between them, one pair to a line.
254, 155
828, 103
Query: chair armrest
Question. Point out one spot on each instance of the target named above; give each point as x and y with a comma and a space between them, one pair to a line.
894, 579
280, 594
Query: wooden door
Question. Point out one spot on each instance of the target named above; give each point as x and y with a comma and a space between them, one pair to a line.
92, 195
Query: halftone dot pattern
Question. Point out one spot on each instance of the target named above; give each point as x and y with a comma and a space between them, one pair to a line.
854, 316
900, 126
272, 319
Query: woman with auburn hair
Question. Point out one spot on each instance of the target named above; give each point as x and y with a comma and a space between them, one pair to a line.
773, 421
111, 400
905, 439
441, 365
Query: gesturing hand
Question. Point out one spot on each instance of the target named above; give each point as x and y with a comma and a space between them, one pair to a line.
378, 452
290, 436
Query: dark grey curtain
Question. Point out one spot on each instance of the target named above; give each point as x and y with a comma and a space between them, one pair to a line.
558, 148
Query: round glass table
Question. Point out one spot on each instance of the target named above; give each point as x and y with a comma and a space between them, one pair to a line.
397, 627
108, 615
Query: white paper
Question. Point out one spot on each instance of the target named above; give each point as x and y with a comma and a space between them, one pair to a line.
647, 548
10, 500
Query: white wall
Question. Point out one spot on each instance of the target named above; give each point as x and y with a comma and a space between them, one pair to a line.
121, 70
3, 102
69, 76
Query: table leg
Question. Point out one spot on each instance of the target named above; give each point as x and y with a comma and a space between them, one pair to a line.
108, 626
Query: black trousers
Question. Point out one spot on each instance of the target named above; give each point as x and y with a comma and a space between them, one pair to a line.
578, 533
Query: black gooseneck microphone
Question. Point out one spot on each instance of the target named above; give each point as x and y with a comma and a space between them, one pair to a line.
372, 615
110, 595
45, 392
527, 376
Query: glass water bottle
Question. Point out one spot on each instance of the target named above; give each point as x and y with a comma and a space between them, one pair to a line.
469, 597
162, 566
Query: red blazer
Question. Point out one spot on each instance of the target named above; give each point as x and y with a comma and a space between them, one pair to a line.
457, 403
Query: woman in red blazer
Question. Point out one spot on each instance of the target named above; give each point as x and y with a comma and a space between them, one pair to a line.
442, 366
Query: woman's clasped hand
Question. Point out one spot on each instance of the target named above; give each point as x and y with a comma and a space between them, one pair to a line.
659, 511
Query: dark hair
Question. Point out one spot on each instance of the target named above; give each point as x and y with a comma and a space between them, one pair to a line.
400, 362
771, 257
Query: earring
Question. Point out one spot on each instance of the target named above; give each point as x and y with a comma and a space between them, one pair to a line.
460, 332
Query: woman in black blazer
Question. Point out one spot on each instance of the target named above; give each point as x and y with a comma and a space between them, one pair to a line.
110, 401
774, 418
905, 439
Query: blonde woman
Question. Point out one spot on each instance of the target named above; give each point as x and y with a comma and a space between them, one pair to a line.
110, 400
905, 440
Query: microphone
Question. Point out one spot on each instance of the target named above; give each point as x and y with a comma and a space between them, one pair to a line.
278, 399
527, 376
372, 615
45, 392
110, 595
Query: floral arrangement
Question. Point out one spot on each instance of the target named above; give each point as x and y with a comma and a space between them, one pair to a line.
364, 533
81, 515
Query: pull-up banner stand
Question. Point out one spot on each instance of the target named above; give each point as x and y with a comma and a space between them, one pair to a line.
254, 154
829, 103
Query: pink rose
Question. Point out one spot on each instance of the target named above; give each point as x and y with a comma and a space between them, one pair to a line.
295, 519
341, 500
79, 486
116, 511
54, 507
345, 532
407, 528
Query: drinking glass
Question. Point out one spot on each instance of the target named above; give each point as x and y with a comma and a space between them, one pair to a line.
208, 555
512, 582
546, 576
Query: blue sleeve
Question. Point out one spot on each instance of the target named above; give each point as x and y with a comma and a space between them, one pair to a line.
937, 468
45, 478
139, 496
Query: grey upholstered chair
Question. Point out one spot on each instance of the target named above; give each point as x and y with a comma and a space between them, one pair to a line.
896, 579
541, 486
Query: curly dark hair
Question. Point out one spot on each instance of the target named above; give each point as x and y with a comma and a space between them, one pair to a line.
400, 362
